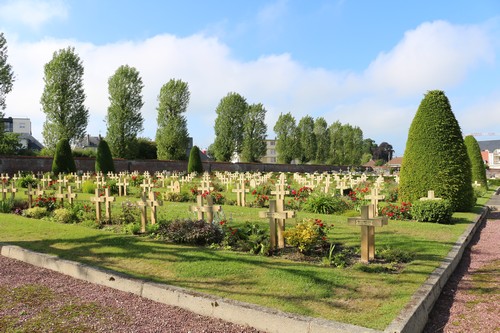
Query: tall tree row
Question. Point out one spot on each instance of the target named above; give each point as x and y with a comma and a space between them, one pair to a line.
254, 134
172, 135
124, 119
63, 99
287, 138
6, 82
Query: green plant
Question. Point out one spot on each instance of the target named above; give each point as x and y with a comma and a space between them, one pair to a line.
192, 232
89, 186
6, 206
132, 228
428, 163
439, 211
177, 197
477, 164
129, 214
104, 159
36, 212
27, 179
63, 215
63, 159
46, 201
397, 212
194, 163
394, 255
307, 235
324, 203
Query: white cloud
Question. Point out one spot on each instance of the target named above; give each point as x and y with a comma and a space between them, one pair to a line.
32, 13
431, 56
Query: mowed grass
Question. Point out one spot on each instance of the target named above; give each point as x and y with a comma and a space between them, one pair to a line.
347, 295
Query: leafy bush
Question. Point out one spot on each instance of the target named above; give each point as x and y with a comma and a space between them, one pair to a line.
132, 228
27, 179
129, 214
439, 211
63, 215
251, 238
192, 232
428, 163
323, 203
104, 159
394, 255
112, 185
87, 152
36, 212
396, 212
476, 159
89, 186
177, 197
6, 206
63, 159
194, 163
307, 235
45, 201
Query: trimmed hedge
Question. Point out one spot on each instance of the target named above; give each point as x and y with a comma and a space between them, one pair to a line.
439, 211
477, 165
435, 157
63, 158
104, 160
194, 164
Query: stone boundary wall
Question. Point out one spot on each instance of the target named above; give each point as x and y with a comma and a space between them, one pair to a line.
13, 164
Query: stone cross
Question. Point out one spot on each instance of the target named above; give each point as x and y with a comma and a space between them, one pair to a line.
205, 184
144, 214
46, 181
342, 186
375, 197
107, 203
99, 181
122, 186
207, 209
277, 219
70, 195
62, 181
476, 184
174, 187
5, 190
60, 195
367, 221
146, 185
30, 195
153, 203
78, 182
240, 191
13, 190
430, 196
98, 200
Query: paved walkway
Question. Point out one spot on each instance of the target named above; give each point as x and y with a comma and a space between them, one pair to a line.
470, 301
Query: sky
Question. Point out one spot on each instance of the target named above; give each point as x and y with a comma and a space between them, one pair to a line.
363, 63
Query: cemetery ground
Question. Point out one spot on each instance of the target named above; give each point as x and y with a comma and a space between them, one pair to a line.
369, 295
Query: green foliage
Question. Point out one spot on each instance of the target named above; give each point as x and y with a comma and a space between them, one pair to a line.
191, 232
63, 215
194, 163
46, 201
63, 159
439, 211
322, 140
27, 179
6, 75
146, 149
229, 126
477, 164
36, 212
6, 206
346, 144
307, 139
395, 255
79, 152
254, 134
124, 119
397, 212
435, 157
63, 98
172, 135
324, 203
177, 197
129, 214
132, 228
9, 143
104, 160
287, 138
89, 186
307, 235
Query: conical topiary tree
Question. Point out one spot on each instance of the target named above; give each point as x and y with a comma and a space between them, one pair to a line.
63, 159
477, 165
104, 160
435, 157
194, 164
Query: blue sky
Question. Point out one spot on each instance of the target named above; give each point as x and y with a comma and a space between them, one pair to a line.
366, 63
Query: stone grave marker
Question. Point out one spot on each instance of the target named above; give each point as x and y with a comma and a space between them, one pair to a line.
122, 186
277, 221
61, 195
98, 199
207, 209
374, 199
430, 196
107, 203
30, 193
174, 187
144, 214
153, 203
71, 195
241, 192
367, 221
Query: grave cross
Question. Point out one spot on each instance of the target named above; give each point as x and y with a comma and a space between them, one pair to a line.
430, 196
13, 190
146, 185
5, 190
46, 181
70, 195
174, 187
98, 199
367, 221
122, 186
60, 195
375, 197
107, 203
207, 209
144, 214
153, 203
342, 186
240, 191
277, 221
30, 195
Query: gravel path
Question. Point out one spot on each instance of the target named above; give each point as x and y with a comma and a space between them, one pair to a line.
470, 301
100, 309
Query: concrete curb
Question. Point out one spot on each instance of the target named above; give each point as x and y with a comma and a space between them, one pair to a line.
416, 313
411, 319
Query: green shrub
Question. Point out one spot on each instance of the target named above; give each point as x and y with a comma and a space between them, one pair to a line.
132, 228
323, 203
307, 235
439, 211
394, 255
46, 201
63, 159
129, 214
6, 206
89, 186
477, 164
87, 152
63, 215
194, 163
435, 157
36, 212
192, 232
397, 212
112, 185
104, 160
27, 179
177, 197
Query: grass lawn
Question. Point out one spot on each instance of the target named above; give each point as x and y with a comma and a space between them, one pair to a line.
346, 295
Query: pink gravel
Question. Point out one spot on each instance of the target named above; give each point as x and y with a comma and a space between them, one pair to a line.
466, 306
127, 312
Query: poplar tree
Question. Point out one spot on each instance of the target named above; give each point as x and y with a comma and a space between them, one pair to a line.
477, 164
308, 145
322, 140
6, 82
63, 99
172, 136
254, 134
287, 138
124, 119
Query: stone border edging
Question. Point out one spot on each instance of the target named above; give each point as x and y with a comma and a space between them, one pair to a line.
415, 314
262, 318
411, 319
